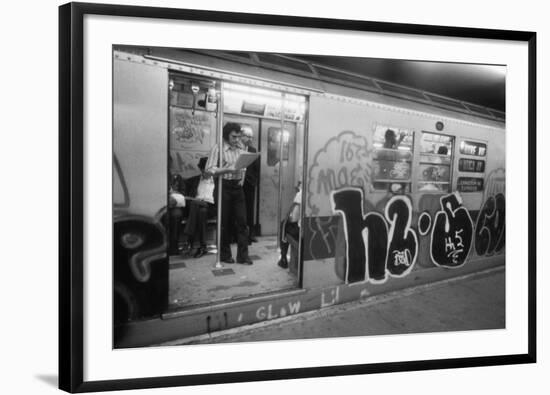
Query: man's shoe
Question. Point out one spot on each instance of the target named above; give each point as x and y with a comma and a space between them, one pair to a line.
185, 248
252, 239
245, 261
200, 252
283, 263
228, 260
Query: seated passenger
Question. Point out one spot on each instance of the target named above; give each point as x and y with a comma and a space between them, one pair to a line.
390, 139
201, 207
176, 204
290, 226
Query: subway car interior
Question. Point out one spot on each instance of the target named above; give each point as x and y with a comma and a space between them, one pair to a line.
276, 121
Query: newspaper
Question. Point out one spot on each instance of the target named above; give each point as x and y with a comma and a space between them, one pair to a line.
245, 159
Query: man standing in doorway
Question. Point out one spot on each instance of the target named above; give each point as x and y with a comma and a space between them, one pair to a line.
233, 203
250, 182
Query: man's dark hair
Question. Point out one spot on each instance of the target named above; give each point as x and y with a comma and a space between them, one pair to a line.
389, 139
230, 127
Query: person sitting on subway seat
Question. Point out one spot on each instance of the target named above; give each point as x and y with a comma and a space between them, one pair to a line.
233, 203
390, 139
290, 226
176, 205
201, 207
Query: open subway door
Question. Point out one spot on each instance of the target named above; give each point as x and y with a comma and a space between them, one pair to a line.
200, 276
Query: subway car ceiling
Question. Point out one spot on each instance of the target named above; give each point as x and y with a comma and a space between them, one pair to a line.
318, 74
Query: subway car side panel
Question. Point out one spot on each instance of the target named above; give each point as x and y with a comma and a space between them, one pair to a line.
140, 137
140, 263
357, 233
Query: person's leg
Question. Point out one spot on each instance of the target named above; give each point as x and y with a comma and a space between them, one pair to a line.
249, 199
283, 244
225, 249
174, 218
191, 225
201, 223
201, 228
194, 227
239, 213
293, 229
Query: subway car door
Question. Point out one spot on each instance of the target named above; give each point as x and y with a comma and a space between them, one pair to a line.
275, 143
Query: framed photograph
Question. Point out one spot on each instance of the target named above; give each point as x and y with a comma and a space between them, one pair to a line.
345, 183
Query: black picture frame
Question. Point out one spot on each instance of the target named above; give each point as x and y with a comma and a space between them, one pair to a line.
71, 195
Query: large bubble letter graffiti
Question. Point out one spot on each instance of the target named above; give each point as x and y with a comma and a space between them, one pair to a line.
403, 243
344, 161
366, 237
451, 233
490, 226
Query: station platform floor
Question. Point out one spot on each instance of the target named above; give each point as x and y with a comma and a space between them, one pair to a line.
476, 301
196, 281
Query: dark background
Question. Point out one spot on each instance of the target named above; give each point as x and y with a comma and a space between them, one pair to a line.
474, 83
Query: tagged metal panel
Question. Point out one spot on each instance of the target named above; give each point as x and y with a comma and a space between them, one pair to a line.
140, 137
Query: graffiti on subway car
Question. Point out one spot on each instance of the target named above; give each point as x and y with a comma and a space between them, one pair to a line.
378, 246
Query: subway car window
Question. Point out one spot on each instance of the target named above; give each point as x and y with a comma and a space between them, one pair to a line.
393, 159
473, 148
471, 166
435, 162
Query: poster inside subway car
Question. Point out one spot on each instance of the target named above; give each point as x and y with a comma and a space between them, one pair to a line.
376, 204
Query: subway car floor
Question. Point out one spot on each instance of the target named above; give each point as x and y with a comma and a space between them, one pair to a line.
196, 281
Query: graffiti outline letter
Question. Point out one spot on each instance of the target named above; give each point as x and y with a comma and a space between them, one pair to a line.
453, 227
366, 237
490, 226
402, 239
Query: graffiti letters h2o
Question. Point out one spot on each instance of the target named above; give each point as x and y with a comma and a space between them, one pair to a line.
374, 252
451, 233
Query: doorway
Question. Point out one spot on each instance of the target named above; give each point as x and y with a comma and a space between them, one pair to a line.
194, 129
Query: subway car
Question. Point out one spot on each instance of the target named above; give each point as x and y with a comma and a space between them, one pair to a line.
387, 187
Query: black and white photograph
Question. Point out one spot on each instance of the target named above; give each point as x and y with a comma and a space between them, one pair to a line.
256, 198
268, 196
